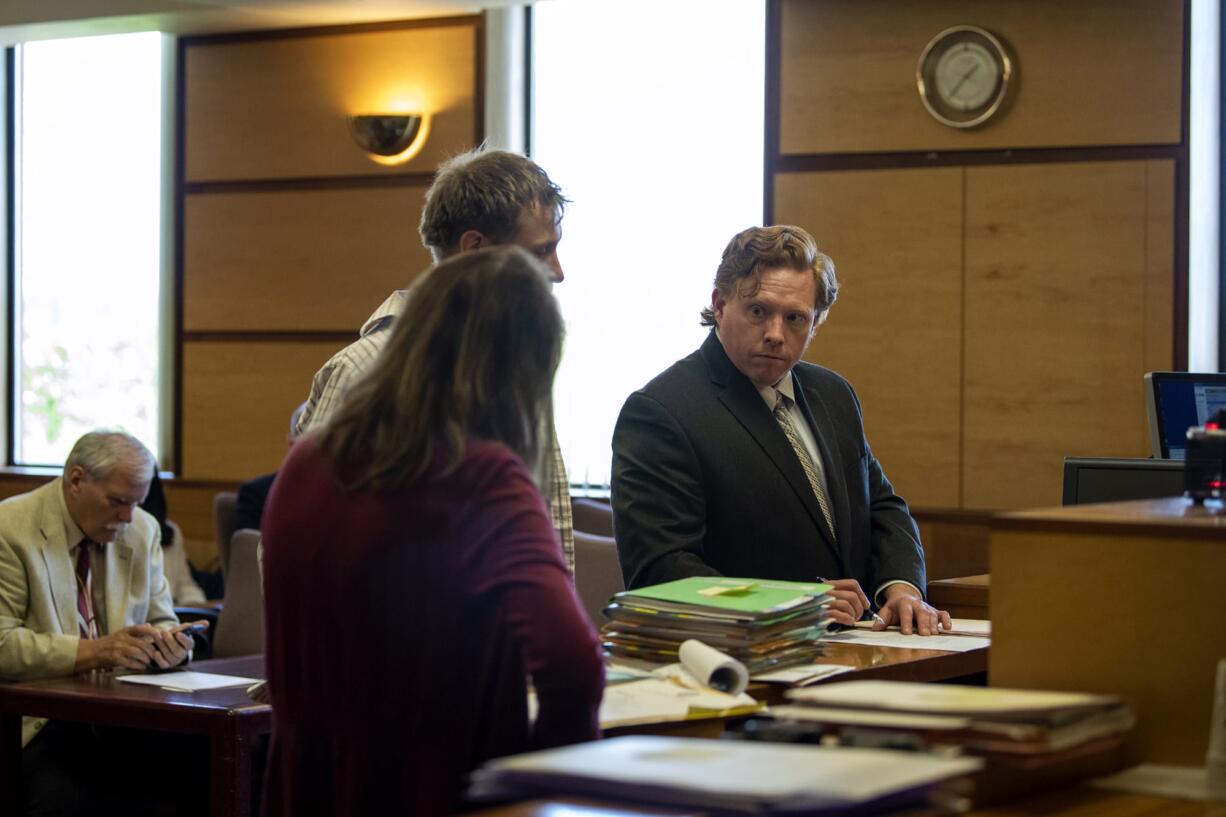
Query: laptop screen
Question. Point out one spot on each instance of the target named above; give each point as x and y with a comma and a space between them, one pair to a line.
1176, 401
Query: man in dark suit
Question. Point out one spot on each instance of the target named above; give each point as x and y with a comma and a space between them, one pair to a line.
253, 494
741, 460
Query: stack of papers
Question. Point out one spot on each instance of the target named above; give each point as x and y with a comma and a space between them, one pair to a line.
985, 721
723, 775
763, 624
669, 700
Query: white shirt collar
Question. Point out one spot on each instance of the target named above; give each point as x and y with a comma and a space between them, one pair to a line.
784, 386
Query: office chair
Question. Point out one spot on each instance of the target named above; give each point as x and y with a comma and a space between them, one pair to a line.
592, 516
223, 527
598, 574
240, 626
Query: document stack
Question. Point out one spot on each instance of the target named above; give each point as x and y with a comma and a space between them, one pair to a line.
763, 624
725, 776
1029, 739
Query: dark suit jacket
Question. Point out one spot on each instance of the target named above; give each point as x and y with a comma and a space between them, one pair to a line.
249, 507
705, 482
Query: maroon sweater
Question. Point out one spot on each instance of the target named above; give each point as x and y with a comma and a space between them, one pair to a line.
401, 629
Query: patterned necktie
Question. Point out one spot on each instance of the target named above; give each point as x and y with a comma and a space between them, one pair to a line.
806, 462
86, 622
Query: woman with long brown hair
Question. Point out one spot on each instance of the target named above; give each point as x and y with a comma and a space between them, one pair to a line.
412, 578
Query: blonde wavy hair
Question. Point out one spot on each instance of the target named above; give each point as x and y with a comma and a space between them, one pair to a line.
759, 248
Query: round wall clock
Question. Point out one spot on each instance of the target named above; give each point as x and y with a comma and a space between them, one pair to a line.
963, 76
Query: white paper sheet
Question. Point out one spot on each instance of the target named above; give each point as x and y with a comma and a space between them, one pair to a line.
959, 626
661, 700
802, 675
893, 638
188, 681
971, 626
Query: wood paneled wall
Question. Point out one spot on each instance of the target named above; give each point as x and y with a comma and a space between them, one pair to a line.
289, 234
330, 256
1058, 326
1090, 73
896, 329
1004, 288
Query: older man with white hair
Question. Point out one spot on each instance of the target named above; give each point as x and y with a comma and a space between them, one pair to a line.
82, 588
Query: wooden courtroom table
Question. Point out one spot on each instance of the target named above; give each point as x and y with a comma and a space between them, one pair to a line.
889, 664
898, 664
226, 717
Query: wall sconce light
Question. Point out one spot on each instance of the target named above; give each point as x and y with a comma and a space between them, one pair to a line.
388, 138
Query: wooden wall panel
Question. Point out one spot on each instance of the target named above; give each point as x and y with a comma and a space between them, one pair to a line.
284, 228
277, 108
1057, 274
237, 400
1091, 72
896, 240
298, 260
190, 505
1159, 297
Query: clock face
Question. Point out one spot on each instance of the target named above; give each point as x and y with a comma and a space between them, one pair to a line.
963, 76
966, 76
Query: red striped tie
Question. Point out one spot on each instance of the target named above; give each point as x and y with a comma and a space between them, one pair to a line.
85, 592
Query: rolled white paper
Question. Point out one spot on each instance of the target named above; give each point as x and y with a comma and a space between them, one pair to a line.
713, 668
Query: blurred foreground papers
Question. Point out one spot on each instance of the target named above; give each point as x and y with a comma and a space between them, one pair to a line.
723, 775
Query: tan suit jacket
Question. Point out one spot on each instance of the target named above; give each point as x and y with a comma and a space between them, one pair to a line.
38, 589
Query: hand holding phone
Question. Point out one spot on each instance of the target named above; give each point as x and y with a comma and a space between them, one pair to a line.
174, 645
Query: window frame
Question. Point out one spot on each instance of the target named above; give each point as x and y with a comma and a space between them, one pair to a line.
170, 294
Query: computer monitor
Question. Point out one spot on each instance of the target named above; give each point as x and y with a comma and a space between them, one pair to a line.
1118, 479
1176, 401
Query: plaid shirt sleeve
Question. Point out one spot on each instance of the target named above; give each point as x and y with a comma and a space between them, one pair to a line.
329, 386
559, 507
333, 382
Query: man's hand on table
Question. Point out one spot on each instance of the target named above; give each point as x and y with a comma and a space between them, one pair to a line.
910, 612
849, 603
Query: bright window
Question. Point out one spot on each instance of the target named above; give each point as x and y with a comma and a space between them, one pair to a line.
650, 116
88, 241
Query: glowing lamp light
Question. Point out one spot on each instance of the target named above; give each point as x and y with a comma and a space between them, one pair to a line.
390, 139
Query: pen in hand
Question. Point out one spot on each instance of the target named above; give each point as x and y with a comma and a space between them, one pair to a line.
868, 615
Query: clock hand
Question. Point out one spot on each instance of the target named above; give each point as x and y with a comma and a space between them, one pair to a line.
954, 90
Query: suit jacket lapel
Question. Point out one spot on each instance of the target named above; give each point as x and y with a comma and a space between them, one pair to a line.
814, 409
60, 571
741, 398
118, 581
